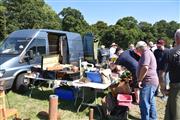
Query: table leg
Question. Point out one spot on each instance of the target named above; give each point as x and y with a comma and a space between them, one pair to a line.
94, 105
98, 107
81, 101
33, 85
76, 96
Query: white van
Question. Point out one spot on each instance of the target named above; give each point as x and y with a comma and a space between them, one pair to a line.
24, 48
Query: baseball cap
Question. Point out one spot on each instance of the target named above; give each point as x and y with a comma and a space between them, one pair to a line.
160, 42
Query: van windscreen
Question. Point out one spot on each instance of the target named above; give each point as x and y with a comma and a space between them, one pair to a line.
13, 45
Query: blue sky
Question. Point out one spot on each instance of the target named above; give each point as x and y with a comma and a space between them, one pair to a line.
110, 11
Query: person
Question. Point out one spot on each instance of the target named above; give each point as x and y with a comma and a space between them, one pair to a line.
159, 53
129, 59
170, 46
112, 49
172, 59
116, 55
152, 46
102, 55
147, 81
131, 47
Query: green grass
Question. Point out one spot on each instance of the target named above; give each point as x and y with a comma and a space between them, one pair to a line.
29, 107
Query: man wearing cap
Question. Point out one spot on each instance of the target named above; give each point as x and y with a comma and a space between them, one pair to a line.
147, 81
172, 59
159, 53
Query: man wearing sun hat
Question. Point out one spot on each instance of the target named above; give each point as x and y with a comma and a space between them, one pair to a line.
112, 49
147, 81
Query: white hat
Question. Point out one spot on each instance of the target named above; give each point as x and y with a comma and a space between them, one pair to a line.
141, 44
102, 46
151, 43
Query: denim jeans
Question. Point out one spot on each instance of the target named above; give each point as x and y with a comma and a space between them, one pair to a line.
147, 102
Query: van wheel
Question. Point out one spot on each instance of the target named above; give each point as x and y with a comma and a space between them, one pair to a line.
22, 83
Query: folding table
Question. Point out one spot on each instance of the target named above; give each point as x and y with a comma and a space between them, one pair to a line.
95, 86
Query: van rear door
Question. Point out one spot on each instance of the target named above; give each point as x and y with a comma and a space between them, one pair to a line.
88, 47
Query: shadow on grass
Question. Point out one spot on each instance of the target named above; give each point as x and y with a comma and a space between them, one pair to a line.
133, 118
96, 113
69, 105
43, 115
38, 93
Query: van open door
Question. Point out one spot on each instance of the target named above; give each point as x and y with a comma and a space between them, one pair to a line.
88, 47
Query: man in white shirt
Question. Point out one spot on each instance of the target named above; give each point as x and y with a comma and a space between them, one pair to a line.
112, 49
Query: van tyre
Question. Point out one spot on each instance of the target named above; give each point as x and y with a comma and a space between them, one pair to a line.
21, 84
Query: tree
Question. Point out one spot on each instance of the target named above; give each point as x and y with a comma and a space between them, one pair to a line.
73, 20
147, 31
132, 33
115, 33
2, 22
52, 20
127, 22
165, 30
24, 14
161, 27
172, 27
99, 29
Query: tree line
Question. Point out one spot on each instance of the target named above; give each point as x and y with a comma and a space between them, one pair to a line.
29, 14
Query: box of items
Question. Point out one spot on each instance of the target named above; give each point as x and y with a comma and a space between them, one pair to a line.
52, 69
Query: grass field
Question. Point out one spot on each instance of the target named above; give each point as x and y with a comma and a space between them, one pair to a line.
30, 107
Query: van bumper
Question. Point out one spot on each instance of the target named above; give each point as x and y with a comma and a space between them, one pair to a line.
7, 82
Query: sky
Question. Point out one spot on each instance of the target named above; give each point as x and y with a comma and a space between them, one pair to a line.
110, 11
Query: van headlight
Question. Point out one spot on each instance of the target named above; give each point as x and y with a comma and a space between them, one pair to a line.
2, 73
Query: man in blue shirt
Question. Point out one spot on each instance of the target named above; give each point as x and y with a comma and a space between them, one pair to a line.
129, 59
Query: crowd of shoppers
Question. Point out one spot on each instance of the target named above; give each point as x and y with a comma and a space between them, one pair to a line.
152, 67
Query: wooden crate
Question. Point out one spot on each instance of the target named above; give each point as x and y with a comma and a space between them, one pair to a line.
49, 61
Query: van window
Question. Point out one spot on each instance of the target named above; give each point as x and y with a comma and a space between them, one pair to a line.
13, 45
38, 46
